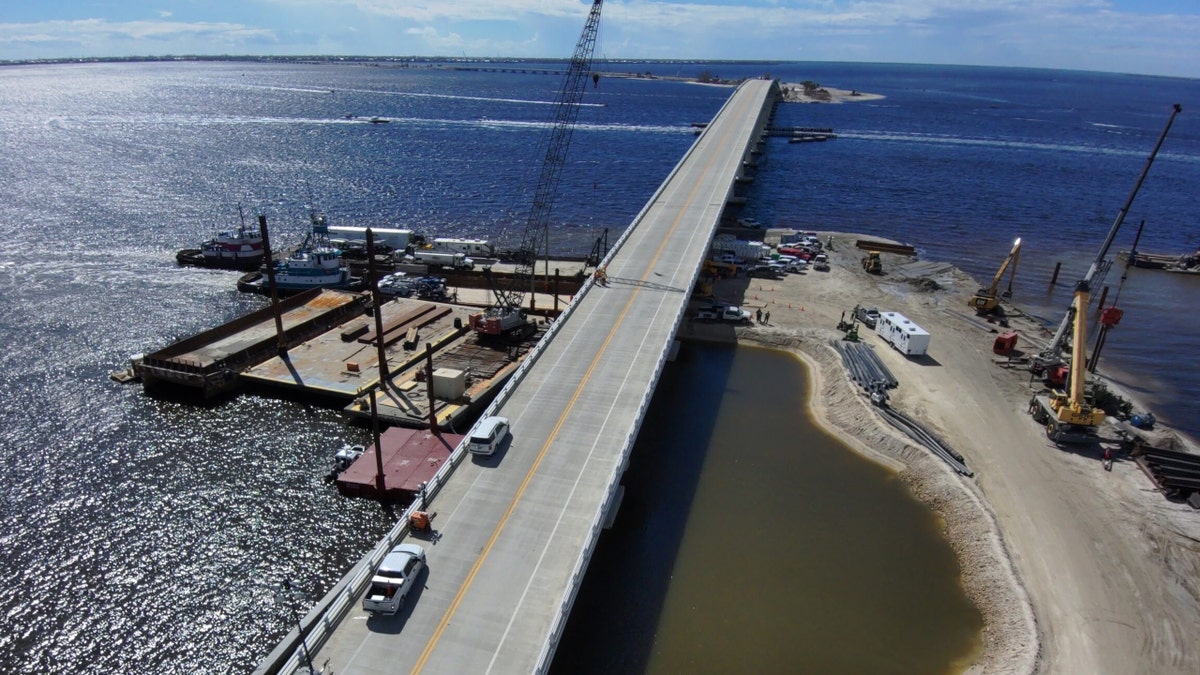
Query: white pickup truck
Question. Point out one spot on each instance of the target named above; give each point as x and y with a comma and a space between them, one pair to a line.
725, 313
394, 579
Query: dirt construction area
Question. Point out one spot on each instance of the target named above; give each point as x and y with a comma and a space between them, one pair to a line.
1076, 569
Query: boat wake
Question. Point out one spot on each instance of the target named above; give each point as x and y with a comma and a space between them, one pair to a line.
461, 97
1009, 144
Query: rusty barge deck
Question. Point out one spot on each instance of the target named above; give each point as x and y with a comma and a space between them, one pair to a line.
209, 363
333, 358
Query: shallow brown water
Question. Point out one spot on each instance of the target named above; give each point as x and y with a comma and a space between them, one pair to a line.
751, 542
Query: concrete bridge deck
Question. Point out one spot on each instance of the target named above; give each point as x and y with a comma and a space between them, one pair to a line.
516, 530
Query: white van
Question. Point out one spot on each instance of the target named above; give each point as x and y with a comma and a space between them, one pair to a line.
487, 435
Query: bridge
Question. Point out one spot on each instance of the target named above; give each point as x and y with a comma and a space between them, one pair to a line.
515, 531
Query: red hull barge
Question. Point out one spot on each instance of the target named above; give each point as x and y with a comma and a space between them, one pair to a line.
411, 458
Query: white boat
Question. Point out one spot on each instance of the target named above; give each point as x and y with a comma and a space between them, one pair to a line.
315, 264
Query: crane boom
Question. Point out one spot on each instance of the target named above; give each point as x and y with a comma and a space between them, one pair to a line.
1052, 355
507, 314
986, 300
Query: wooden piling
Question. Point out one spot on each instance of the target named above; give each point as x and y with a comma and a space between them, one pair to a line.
1054, 277
281, 347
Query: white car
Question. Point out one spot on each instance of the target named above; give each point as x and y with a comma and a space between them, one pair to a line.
394, 579
488, 435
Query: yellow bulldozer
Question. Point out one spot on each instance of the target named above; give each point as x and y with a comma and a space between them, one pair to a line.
871, 263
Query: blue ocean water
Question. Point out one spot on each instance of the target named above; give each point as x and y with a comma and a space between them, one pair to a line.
143, 535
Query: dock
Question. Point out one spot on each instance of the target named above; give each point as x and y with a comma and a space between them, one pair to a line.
410, 459
210, 362
436, 367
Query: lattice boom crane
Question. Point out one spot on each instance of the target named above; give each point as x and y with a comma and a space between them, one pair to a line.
507, 317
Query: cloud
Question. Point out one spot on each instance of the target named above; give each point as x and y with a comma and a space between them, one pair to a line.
671, 13
433, 11
1087, 34
99, 37
430, 36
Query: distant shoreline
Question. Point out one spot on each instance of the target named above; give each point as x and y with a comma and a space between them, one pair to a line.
792, 92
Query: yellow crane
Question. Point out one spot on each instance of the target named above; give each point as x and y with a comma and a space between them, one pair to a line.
1066, 414
986, 300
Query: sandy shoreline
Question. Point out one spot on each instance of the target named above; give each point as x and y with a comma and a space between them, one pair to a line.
1066, 562
795, 93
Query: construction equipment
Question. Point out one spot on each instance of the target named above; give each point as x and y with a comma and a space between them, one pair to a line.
843, 324
1066, 414
871, 263
1052, 355
850, 328
508, 317
987, 300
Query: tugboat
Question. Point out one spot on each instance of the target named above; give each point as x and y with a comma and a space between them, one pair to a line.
343, 459
240, 249
314, 264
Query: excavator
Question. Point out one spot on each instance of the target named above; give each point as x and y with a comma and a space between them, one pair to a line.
507, 318
987, 300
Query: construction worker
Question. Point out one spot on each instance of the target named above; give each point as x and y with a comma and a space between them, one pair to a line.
602, 276
758, 315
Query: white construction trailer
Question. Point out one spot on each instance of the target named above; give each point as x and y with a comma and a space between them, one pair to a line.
397, 239
472, 247
901, 333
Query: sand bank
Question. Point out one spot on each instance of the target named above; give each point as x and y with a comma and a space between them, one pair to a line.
794, 93
1074, 568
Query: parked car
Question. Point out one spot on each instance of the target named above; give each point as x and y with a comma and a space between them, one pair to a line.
394, 579
868, 316
766, 272
724, 313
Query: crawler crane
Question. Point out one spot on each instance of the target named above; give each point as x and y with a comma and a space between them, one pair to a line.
507, 318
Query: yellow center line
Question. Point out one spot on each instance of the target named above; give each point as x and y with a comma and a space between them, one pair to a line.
512, 505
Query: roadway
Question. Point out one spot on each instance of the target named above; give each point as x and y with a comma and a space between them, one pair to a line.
515, 530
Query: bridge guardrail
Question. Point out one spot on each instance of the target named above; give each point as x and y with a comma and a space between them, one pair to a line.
545, 658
